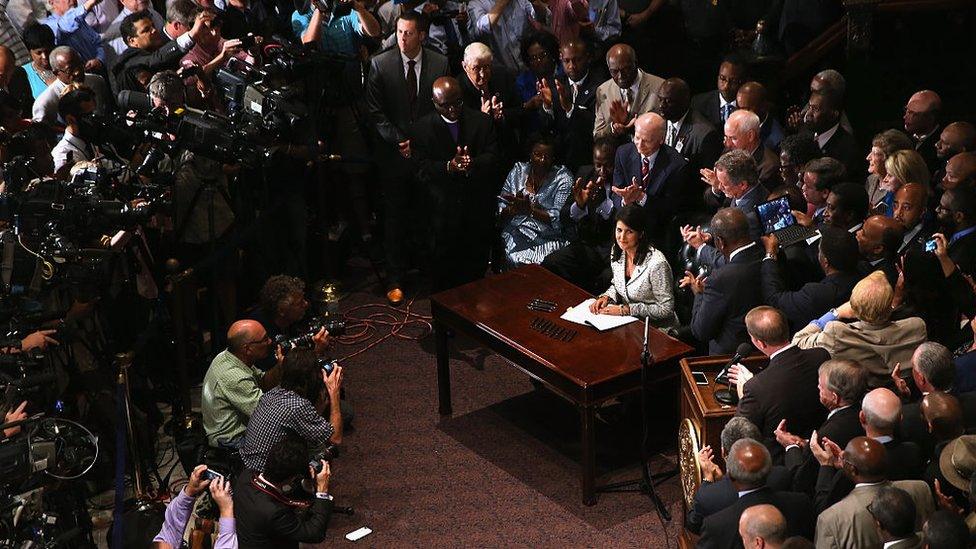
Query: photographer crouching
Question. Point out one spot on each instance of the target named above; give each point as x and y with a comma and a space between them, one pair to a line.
269, 515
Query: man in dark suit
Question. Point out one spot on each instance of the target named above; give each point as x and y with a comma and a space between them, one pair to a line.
489, 86
398, 92
910, 205
823, 119
784, 390
817, 177
932, 371
590, 211
689, 133
842, 384
455, 151
723, 299
922, 124
753, 97
269, 518
716, 491
956, 216
150, 50
837, 258
749, 466
569, 104
649, 173
878, 240
718, 104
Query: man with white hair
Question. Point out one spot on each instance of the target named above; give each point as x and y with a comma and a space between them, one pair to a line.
762, 527
490, 87
68, 68
742, 132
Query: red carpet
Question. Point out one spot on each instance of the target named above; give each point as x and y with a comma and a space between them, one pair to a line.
502, 471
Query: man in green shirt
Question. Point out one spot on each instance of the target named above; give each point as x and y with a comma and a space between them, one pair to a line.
232, 386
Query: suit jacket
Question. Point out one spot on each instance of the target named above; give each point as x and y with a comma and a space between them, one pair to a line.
609, 91
667, 179
387, 97
887, 265
840, 427
963, 252
811, 301
771, 133
913, 425
843, 147
593, 228
786, 389
708, 255
712, 497
912, 542
917, 242
848, 524
877, 347
698, 141
264, 522
709, 106
123, 74
718, 313
502, 84
721, 530
574, 132
768, 163
926, 148
905, 462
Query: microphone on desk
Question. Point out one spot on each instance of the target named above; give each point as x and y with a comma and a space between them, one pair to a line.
731, 396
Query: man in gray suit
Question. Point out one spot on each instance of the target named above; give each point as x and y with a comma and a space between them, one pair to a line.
398, 93
848, 523
629, 93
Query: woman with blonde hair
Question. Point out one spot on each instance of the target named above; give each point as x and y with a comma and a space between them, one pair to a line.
873, 339
901, 167
883, 145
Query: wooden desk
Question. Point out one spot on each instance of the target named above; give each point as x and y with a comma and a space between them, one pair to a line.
593, 367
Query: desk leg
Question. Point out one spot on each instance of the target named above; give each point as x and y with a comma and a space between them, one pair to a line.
588, 445
443, 369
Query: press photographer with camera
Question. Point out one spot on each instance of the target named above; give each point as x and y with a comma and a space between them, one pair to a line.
281, 308
270, 514
76, 144
296, 406
178, 511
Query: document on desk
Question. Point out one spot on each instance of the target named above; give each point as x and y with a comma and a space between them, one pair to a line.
581, 314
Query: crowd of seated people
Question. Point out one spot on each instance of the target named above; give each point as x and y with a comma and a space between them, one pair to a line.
499, 133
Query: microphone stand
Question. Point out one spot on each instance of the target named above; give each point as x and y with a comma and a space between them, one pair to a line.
645, 484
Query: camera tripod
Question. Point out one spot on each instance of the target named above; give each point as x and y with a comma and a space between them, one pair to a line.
647, 481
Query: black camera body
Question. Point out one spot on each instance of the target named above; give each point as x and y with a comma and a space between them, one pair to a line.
330, 452
335, 326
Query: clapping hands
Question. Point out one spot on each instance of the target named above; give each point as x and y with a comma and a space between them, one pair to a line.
461, 163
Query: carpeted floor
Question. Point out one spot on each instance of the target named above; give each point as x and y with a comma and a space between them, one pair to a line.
502, 471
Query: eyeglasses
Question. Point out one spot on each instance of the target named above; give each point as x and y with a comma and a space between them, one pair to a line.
264, 340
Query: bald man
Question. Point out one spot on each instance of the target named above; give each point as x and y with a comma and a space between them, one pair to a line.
878, 240
762, 527
752, 96
232, 384
629, 93
456, 153
960, 170
921, 120
743, 132
911, 201
957, 137
748, 468
848, 523
650, 173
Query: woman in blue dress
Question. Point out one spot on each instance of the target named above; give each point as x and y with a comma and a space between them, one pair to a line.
39, 40
529, 205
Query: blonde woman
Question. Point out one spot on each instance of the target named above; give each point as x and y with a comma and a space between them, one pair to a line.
883, 145
901, 167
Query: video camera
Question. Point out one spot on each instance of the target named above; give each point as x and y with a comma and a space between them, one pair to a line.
335, 327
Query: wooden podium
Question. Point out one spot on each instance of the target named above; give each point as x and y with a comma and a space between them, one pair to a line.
703, 417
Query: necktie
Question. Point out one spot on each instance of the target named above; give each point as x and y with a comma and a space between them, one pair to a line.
626, 96
672, 133
727, 110
575, 90
412, 82
645, 171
